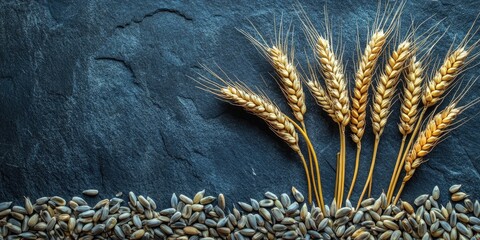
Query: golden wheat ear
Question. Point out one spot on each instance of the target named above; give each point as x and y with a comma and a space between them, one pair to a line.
454, 63
256, 103
280, 54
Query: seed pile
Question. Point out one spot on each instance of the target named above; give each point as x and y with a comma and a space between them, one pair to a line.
274, 217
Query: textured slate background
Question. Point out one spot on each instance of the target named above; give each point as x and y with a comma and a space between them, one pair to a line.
95, 94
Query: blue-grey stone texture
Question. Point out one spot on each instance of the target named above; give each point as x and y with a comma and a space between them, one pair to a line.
98, 94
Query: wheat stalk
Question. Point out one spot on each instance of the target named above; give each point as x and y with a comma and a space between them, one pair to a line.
383, 99
333, 73
363, 79
444, 77
428, 139
412, 92
282, 60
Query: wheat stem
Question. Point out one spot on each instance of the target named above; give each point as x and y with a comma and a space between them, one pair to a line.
399, 193
304, 163
342, 166
337, 178
370, 173
355, 171
310, 159
384, 93
398, 165
317, 168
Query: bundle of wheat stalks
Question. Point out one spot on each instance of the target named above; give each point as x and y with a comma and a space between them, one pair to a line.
407, 63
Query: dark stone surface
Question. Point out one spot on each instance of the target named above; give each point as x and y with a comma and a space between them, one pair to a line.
95, 94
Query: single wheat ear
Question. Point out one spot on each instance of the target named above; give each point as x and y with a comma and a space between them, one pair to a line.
383, 99
282, 60
333, 73
412, 92
290, 82
428, 139
444, 77
262, 107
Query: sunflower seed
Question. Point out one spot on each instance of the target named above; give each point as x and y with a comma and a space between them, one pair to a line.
245, 206
270, 195
90, 192
420, 200
207, 200
298, 195
454, 188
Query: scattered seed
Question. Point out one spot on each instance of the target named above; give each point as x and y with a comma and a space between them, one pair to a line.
90, 192
454, 188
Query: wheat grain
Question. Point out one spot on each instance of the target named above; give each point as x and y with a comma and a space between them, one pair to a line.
333, 73
290, 82
411, 96
363, 79
444, 77
385, 89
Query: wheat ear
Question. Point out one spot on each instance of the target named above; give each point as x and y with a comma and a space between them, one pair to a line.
265, 109
427, 140
383, 99
363, 79
282, 60
444, 77
290, 82
412, 92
